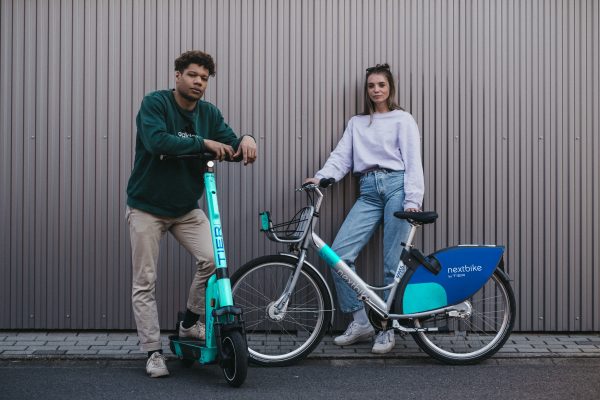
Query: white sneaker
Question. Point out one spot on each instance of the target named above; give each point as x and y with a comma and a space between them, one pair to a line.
156, 365
355, 333
196, 331
384, 342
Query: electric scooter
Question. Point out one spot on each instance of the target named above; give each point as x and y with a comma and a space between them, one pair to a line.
225, 341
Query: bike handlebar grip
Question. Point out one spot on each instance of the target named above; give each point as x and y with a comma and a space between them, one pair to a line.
211, 156
325, 182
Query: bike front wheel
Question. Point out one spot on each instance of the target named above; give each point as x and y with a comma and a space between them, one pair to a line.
473, 337
281, 336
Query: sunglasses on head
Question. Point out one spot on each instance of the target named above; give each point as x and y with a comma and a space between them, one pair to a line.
378, 67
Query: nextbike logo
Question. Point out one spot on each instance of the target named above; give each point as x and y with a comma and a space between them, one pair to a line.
350, 282
460, 272
465, 268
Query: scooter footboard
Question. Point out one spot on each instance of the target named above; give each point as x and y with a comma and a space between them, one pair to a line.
464, 270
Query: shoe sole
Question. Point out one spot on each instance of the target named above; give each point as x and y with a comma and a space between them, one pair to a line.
191, 338
159, 375
383, 351
361, 338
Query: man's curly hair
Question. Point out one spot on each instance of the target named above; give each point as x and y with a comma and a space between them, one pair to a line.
195, 57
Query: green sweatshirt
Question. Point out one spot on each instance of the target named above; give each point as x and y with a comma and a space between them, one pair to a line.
172, 188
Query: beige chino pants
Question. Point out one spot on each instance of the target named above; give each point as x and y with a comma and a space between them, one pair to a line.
192, 231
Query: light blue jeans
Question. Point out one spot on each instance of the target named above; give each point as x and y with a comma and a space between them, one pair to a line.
381, 194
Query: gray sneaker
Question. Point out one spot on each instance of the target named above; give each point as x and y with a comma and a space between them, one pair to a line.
156, 365
355, 333
384, 342
196, 331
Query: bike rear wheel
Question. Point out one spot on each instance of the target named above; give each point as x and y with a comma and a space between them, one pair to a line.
477, 337
278, 339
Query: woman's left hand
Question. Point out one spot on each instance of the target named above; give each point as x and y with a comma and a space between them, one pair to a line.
412, 210
312, 180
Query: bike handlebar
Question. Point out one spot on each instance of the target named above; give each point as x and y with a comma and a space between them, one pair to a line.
323, 183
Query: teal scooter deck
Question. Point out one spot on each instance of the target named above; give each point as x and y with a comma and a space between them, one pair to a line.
189, 349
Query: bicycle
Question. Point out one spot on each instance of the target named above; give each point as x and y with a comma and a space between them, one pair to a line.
225, 341
457, 302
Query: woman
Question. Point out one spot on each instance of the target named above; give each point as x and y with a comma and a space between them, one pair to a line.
382, 146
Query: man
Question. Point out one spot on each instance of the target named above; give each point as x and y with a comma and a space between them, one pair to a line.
163, 195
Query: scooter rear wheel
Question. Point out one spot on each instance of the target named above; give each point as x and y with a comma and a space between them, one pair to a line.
235, 366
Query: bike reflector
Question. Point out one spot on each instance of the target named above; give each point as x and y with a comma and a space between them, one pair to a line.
265, 221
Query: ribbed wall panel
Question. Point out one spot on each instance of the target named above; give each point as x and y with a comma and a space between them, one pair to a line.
505, 92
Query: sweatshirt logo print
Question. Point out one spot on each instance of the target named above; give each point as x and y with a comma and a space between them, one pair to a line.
187, 132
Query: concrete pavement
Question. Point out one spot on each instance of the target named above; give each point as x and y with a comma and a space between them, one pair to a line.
15, 345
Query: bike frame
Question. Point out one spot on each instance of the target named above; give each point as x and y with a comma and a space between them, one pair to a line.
365, 292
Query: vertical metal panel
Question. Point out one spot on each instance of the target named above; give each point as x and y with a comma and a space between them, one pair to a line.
18, 227
505, 93
6, 171
547, 145
46, 191
595, 214
587, 156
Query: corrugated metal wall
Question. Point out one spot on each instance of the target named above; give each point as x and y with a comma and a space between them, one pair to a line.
506, 93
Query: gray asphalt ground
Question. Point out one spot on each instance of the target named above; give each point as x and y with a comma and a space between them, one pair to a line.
416, 378
101, 365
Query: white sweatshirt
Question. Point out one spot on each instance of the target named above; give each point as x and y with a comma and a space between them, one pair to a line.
391, 141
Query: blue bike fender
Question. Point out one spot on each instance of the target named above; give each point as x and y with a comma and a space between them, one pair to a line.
465, 269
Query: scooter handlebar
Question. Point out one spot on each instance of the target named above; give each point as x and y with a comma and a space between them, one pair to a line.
206, 156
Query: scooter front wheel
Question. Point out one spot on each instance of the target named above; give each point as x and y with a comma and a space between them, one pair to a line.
235, 365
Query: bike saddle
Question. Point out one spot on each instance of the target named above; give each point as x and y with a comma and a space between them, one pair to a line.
421, 217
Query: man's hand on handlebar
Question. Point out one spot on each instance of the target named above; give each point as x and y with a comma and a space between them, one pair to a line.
247, 149
220, 150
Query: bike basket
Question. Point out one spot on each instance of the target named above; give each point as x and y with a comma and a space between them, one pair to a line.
287, 232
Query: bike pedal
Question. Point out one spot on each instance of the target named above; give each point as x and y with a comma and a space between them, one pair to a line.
398, 328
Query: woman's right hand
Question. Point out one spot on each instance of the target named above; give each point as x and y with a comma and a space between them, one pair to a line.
314, 181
